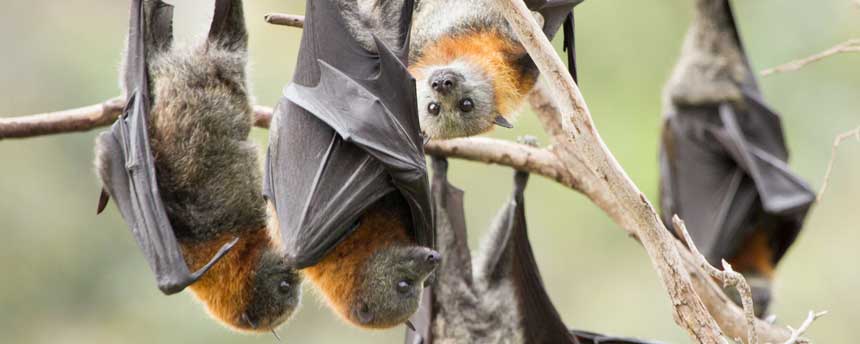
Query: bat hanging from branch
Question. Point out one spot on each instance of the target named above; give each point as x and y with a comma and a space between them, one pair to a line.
180, 167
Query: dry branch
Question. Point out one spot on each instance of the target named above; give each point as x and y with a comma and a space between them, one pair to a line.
851, 45
838, 141
291, 20
728, 276
84, 119
795, 334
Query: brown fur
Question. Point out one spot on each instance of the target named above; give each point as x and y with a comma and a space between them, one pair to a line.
494, 53
339, 273
756, 256
225, 289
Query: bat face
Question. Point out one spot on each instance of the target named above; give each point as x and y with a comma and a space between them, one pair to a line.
455, 100
275, 295
392, 288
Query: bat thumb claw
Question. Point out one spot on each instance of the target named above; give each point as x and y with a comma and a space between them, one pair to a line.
103, 201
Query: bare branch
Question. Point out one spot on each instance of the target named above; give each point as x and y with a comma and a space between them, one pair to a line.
838, 141
851, 45
795, 334
518, 156
728, 276
291, 20
84, 119
81, 119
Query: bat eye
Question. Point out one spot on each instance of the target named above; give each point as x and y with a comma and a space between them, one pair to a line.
466, 105
404, 286
433, 108
284, 287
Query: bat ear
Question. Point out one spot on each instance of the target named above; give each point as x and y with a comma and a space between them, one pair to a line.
228, 25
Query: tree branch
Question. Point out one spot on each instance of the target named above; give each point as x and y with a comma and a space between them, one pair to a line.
851, 45
795, 334
728, 276
838, 141
291, 20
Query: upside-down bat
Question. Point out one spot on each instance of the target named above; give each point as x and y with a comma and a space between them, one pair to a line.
345, 170
723, 156
184, 175
472, 72
503, 300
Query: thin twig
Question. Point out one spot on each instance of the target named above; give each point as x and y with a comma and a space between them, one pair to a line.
851, 45
291, 20
838, 141
728, 276
795, 334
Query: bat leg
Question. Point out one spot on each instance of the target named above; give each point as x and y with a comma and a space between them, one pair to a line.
228, 25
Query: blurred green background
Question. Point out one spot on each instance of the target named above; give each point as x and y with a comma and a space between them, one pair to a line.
71, 277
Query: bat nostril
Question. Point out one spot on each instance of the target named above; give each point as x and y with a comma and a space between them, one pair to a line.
433, 258
448, 83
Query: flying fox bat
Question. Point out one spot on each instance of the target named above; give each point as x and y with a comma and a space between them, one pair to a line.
181, 170
473, 72
723, 156
503, 299
345, 170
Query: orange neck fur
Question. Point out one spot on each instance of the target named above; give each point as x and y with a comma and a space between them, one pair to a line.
491, 52
338, 274
225, 288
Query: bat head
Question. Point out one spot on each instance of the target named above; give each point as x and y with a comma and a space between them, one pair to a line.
391, 286
275, 295
455, 100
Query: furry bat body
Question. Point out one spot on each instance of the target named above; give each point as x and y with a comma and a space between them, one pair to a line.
723, 156
345, 169
184, 175
503, 300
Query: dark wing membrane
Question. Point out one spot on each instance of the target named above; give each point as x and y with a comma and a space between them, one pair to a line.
540, 320
318, 183
555, 14
360, 137
131, 179
724, 171
586, 337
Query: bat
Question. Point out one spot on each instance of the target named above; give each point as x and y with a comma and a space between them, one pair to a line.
503, 298
723, 157
345, 170
184, 175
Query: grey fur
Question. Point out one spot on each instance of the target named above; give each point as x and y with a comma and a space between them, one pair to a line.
474, 307
379, 301
434, 19
712, 65
206, 165
451, 122
368, 18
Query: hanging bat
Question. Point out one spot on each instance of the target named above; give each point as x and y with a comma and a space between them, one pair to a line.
472, 73
345, 171
184, 174
723, 156
503, 299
